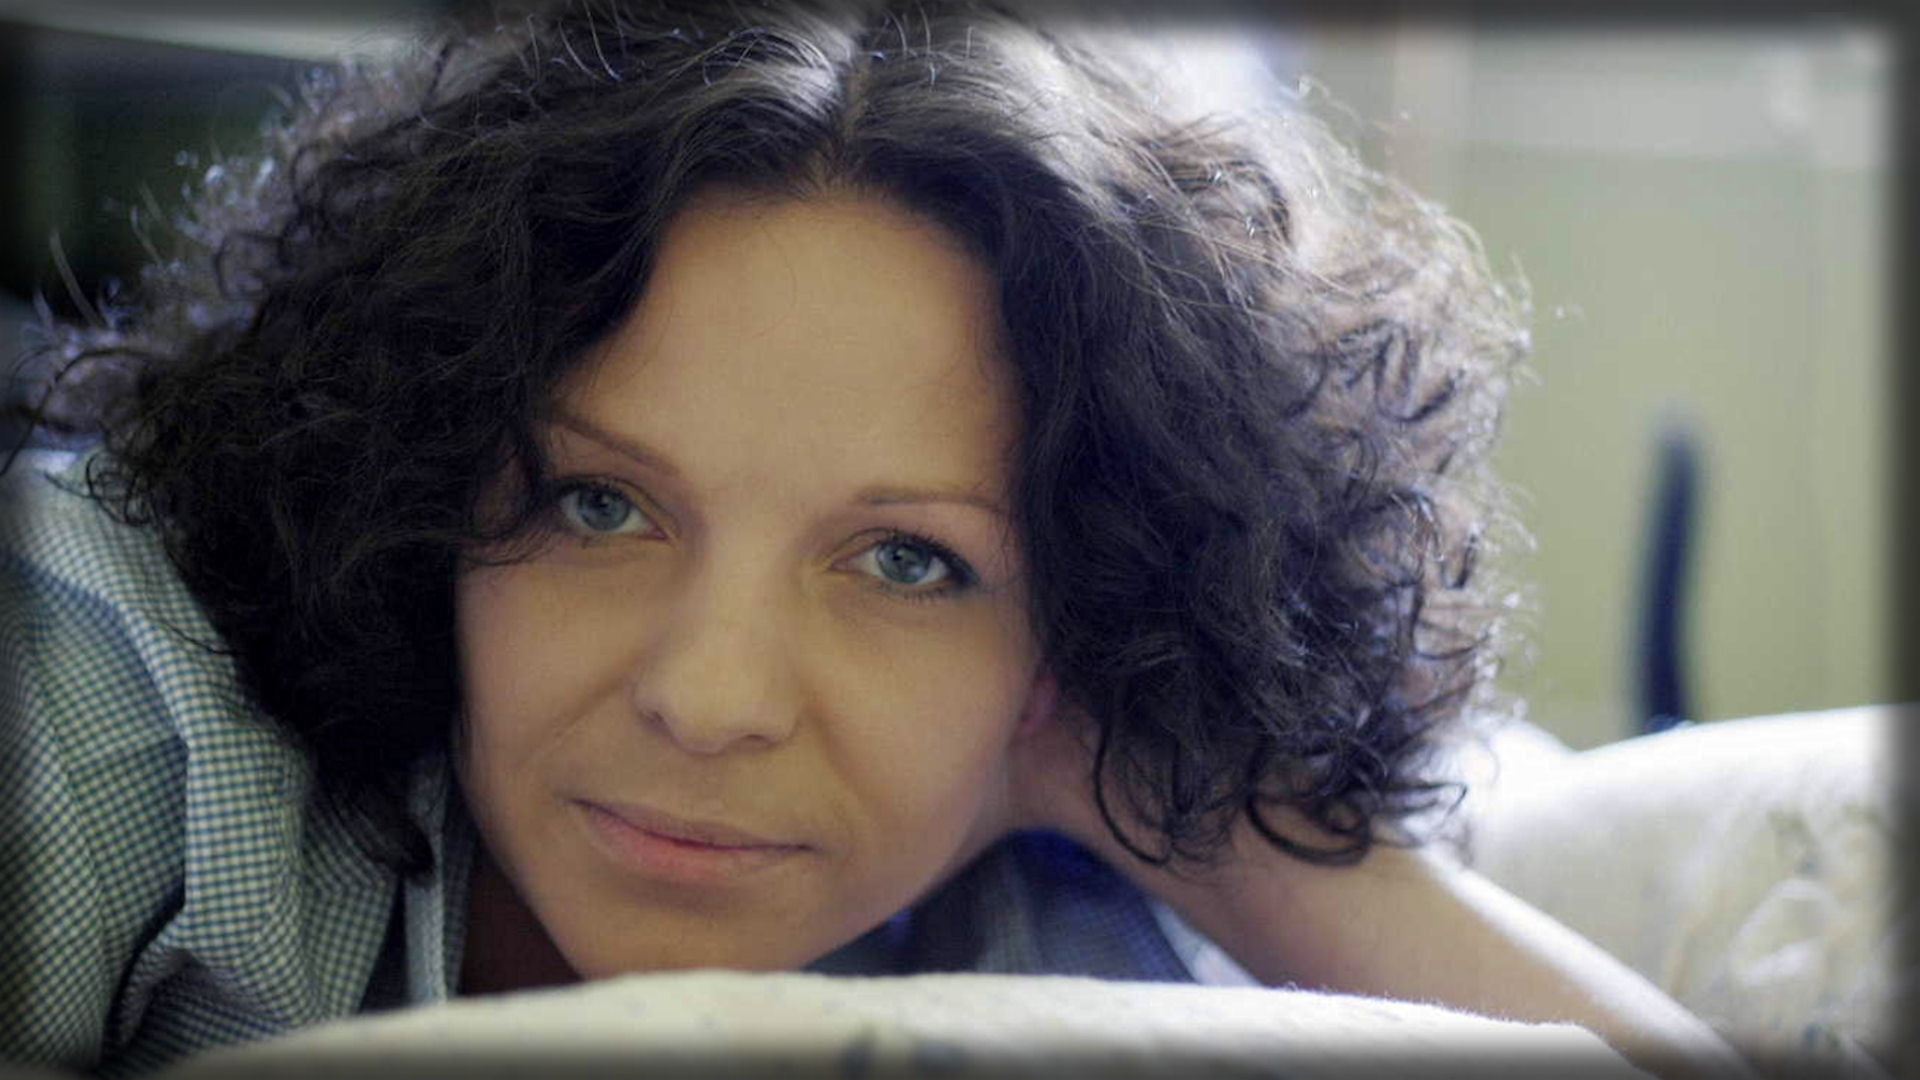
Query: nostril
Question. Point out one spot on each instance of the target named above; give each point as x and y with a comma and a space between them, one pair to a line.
718, 725
720, 669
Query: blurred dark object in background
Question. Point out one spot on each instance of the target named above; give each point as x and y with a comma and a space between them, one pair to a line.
1664, 689
110, 111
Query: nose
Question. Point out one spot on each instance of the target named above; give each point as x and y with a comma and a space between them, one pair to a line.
718, 673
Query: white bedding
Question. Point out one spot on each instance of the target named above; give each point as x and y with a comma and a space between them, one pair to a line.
713, 1023
1745, 867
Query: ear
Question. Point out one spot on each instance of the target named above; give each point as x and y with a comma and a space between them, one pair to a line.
1051, 765
1043, 703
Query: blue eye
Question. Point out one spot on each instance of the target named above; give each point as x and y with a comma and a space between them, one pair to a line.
912, 565
905, 563
594, 510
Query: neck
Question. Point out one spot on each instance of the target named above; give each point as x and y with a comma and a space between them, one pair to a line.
506, 947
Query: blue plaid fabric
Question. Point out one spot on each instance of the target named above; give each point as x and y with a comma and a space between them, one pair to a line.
166, 885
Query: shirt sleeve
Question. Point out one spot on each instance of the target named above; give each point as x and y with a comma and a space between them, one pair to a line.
166, 882
91, 778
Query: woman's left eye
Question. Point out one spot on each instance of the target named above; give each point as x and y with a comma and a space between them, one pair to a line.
594, 510
913, 565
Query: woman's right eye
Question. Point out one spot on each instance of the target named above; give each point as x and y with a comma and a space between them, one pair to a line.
595, 510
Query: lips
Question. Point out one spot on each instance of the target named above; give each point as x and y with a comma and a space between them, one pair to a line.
663, 848
686, 830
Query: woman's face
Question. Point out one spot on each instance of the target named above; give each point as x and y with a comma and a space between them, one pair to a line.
755, 691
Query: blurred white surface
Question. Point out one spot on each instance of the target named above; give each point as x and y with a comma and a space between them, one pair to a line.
1745, 867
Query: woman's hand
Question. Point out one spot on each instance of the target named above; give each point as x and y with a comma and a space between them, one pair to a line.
1407, 924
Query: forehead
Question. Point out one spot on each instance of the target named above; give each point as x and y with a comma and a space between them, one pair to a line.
840, 331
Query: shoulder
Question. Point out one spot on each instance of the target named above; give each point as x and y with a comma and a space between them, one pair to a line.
1039, 904
110, 665
90, 769
63, 548
154, 820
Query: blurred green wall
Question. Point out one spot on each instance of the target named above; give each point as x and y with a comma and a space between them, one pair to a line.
1702, 216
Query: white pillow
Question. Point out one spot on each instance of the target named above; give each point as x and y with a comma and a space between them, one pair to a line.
1743, 866
797, 1025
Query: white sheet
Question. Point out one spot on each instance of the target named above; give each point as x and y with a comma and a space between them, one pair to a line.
714, 1023
1744, 866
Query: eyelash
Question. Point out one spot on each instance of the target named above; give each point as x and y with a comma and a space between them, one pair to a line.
557, 515
960, 574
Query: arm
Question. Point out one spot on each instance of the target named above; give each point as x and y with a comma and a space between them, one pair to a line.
1413, 925
1407, 924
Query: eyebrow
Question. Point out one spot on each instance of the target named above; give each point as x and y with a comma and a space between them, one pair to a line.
873, 496
892, 496
619, 444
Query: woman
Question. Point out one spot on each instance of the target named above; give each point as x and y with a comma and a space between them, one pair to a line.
660, 486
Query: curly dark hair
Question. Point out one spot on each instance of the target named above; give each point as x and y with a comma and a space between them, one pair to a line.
1259, 382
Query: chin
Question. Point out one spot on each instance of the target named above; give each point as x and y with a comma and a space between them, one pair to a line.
684, 955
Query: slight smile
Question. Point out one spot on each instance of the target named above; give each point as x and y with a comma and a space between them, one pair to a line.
660, 847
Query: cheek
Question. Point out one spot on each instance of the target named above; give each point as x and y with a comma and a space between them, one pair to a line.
524, 676
928, 755
495, 696
528, 649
